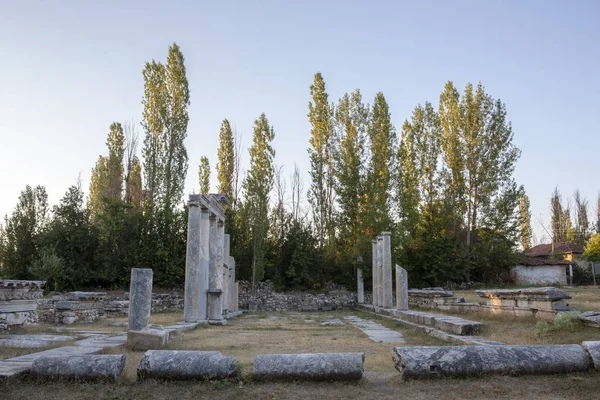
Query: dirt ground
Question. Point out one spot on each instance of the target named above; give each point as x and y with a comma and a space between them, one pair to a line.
263, 333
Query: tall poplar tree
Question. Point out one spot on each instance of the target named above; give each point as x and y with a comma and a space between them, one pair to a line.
257, 187
351, 117
116, 151
98, 187
478, 150
204, 175
321, 195
226, 162
153, 122
525, 219
408, 177
382, 138
557, 217
175, 158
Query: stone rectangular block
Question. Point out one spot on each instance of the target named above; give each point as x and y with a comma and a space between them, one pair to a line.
147, 339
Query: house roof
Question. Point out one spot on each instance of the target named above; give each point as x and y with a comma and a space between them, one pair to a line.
544, 250
541, 262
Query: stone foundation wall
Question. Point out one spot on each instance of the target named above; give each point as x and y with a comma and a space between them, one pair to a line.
268, 300
59, 310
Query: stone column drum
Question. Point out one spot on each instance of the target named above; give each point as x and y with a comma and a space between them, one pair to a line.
401, 288
388, 298
140, 298
380, 270
374, 273
360, 289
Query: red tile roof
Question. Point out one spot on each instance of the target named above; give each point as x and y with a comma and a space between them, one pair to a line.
544, 250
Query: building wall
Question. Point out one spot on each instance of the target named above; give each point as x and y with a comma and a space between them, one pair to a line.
540, 275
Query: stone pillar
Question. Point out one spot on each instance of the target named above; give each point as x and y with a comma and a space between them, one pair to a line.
236, 297
380, 270
360, 289
193, 273
215, 281
374, 273
226, 275
401, 288
232, 293
140, 298
388, 298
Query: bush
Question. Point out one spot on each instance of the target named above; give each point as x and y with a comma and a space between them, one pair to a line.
561, 322
582, 276
49, 267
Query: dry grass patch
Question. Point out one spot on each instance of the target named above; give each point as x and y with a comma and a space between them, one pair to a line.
551, 387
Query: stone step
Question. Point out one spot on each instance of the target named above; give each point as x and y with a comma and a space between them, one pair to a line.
455, 325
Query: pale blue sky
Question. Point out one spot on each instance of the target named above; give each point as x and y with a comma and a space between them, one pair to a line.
68, 69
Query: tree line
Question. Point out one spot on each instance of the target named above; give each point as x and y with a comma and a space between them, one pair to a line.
443, 185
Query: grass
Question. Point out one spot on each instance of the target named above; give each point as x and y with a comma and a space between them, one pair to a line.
263, 333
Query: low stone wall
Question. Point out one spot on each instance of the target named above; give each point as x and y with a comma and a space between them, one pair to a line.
267, 299
542, 303
18, 302
439, 299
90, 306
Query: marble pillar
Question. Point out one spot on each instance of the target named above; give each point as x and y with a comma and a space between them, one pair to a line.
226, 275
193, 275
401, 288
380, 271
388, 285
374, 273
140, 298
215, 281
360, 289
232, 293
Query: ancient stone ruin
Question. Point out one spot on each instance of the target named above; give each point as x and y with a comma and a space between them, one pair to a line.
18, 305
210, 287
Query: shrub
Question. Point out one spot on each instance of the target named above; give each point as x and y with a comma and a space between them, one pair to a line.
562, 322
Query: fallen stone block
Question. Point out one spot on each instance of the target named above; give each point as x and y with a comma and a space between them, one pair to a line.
183, 365
86, 367
309, 367
458, 361
593, 349
147, 339
590, 318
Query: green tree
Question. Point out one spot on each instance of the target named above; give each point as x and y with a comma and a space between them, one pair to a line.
134, 185
226, 163
116, 151
525, 219
478, 149
351, 117
22, 231
557, 217
257, 186
382, 138
408, 183
175, 159
592, 249
568, 225
582, 223
98, 186
70, 237
204, 175
153, 122
321, 192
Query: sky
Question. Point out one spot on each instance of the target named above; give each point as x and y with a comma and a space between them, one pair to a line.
68, 69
